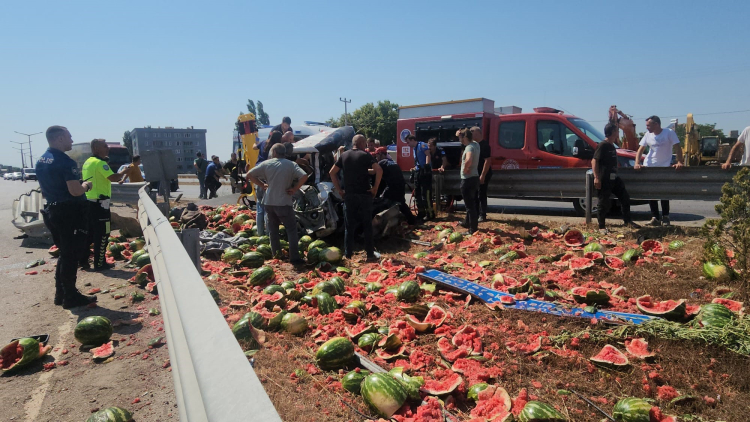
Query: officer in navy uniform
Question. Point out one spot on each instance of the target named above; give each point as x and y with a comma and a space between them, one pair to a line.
65, 213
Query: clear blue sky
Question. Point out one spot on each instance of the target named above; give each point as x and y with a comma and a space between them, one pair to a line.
104, 67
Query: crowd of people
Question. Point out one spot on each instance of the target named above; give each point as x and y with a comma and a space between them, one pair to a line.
77, 209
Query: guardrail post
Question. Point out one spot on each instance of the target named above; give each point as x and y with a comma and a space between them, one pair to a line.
190, 239
589, 192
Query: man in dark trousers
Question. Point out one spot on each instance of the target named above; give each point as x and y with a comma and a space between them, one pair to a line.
422, 177
213, 173
357, 193
65, 213
485, 171
604, 166
470, 179
393, 183
281, 179
97, 170
200, 165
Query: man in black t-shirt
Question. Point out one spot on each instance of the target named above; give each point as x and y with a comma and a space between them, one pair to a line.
230, 168
604, 165
357, 194
283, 127
485, 171
393, 183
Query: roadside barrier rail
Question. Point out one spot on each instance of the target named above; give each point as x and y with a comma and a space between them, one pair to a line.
213, 380
700, 183
126, 193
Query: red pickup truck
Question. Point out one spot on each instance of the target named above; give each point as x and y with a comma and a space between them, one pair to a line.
546, 138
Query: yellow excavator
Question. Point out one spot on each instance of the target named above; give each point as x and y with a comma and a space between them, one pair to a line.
248, 131
707, 150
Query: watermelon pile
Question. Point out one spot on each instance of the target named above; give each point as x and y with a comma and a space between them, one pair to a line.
440, 352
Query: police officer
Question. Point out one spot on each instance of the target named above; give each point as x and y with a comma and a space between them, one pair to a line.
96, 169
65, 213
423, 178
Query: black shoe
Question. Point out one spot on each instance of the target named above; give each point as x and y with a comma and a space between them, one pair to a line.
297, 262
375, 257
105, 267
482, 219
76, 300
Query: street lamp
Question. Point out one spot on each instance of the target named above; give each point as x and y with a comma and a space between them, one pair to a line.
23, 162
31, 157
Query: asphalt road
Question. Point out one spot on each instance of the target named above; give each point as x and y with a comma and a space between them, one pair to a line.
69, 393
683, 213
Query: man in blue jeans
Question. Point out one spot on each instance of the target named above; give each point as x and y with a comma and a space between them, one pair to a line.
357, 193
200, 165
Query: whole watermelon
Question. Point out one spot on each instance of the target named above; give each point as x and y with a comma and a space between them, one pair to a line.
264, 240
304, 242
240, 219
294, 324
231, 255
539, 411
93, 331
317, 244
256, 320
334, 354
143, 260
252, 260
455, 237
352, 382
632, 409
264, 250
326, 304
408, 291
111, 414
331, 254
383, 394
244, 330
261, 276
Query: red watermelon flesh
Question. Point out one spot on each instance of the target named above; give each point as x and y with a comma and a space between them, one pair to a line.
532, 346
507, 300
616, 251
594, 255
668, 309
614, 262
653, 246
732, 305
450, 353
579, 264
445, 382
638, 347
573, 237
467, 366
375, 276
468, 338
492, 409
391, 354
436, 316
104, 351
610, 355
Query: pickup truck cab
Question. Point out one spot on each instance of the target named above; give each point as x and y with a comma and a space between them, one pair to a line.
546, 138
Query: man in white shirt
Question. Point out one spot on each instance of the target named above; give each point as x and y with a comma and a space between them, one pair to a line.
740, 144
660, 143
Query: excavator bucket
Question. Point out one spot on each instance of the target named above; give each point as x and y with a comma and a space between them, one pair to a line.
248, 134
692, 142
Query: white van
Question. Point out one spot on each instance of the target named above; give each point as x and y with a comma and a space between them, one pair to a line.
308, 128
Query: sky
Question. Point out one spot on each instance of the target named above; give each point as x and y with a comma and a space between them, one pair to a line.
101, 68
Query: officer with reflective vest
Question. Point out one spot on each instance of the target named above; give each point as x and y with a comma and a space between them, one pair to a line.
97, 170
65, 213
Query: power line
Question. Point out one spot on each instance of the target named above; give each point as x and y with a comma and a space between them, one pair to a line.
684, 114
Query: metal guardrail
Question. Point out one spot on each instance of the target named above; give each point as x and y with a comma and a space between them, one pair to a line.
126, 193
213, 381
533, 183
700, 183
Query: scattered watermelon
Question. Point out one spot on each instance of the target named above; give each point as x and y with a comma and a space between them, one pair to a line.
336, 353
383, 394
93, 330
589, 296
536, 411
653, 246
632, 409
54, 251
595, 256
574, 238
614, 262
638, 348
716, 272
610, 356
445, 382
352, 381
104, 351
20, 353
111, 414
580, 264
733, 305
668, 309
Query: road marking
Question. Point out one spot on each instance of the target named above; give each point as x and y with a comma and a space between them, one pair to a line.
34, 405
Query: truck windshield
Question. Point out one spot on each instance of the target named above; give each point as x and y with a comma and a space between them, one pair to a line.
587, 129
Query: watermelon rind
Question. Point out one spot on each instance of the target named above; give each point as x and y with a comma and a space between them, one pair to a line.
632, 409
610, 356
614, 263
368, 341
676, 244
714, 315
111, 414
243, 330
411, 384
352, 381
536, 411
383, 394
294, 324
718, 272
104, 351
32, 351
93, 330
256, 320
590, 296
453, 381
733, 305
676, 311
652, 245
331, 254
335, 353
593, 247
631, 254
455, 237
475, 389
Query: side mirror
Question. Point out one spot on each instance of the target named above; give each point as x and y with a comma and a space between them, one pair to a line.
583, 150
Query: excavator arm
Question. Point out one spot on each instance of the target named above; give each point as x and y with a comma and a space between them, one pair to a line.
627, 125
692, 142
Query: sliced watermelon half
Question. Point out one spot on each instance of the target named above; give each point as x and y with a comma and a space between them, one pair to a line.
638, 348
104, 351
668, 309
445, 382
610, 356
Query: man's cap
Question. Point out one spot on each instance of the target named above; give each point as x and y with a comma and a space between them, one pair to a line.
381, 150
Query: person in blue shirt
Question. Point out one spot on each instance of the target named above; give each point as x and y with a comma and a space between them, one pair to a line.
422, 178
65, 213
213, 173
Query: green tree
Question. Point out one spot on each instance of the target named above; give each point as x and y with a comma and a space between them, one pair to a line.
373, 120
251, 107
703, 130
127, 141
262, 117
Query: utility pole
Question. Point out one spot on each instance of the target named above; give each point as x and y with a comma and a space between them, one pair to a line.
31, 157
23, 162
346, 115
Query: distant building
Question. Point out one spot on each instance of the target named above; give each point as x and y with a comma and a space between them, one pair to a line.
184, 142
